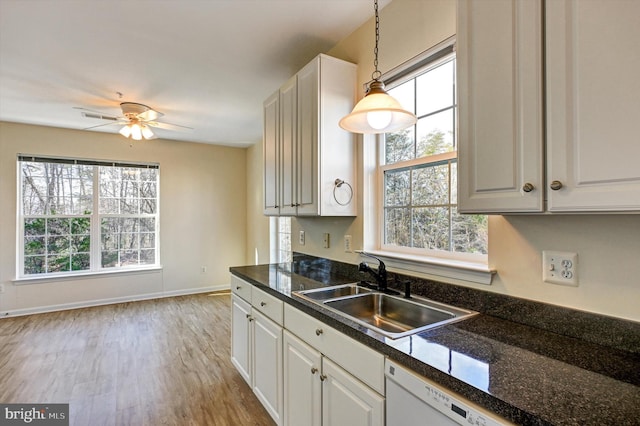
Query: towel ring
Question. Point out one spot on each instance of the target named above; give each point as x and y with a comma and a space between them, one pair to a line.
337, 184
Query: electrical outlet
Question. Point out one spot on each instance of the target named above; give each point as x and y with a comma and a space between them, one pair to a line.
325, 240
1, 288
347, 244
560, 267
204, 269
301, 238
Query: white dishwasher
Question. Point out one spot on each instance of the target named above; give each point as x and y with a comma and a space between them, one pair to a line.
413, 400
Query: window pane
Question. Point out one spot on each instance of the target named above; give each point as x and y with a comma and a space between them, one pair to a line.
431, 185
435, 89
400, 146
397, 187
405, 94
470, 233
398, 226
431, 228
436, 134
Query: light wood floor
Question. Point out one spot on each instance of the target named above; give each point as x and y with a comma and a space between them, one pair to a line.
157, 362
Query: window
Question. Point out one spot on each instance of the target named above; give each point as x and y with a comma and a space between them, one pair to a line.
86, 216
418, 175
281, 239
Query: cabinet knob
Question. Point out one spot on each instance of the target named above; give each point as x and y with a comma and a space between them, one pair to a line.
293, 205
528, 187
263, 303
318, 331
323, 377
314, 370
238, 287
555, 185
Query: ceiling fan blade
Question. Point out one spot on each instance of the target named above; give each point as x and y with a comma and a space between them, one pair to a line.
120, 123
149, 115
169, 126
93, 111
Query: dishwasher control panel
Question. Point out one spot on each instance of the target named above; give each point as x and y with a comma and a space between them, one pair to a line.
408, 386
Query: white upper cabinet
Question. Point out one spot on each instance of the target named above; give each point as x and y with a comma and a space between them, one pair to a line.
500, 110
593, 105
590, 150
271, 154
313, 151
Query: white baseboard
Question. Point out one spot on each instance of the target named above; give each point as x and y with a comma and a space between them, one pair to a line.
111, 301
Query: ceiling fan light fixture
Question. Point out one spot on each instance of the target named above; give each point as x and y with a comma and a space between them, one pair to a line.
147, 133
126, 131
377, 112
136, 132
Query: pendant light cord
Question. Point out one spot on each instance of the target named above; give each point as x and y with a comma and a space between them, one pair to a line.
376, 73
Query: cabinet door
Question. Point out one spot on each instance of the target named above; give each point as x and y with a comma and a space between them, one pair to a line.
500, 106
288, 151
308, 122
347, 401
271, 151
267, 364
241, 337
302, 385
593, 108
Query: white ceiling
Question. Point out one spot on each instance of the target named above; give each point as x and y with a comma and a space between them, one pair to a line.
207, 65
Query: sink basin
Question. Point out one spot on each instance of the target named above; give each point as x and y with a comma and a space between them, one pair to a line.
333, 292
391, 316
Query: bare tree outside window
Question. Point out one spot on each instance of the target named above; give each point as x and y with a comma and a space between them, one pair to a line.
69, 206
420, 171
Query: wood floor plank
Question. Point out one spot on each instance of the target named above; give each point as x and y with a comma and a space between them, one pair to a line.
155, 362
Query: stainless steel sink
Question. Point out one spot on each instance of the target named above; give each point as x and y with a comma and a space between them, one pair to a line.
333, 292
391, 316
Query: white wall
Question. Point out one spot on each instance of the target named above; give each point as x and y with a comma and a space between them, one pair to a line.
203, 205
257, 223
608, 246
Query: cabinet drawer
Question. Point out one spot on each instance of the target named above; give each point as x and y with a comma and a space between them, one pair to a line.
241, 288
267, 304
359, 360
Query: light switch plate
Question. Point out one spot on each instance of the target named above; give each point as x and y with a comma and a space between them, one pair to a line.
325, 240
559, 267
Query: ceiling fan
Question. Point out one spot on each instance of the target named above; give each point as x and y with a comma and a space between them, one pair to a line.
137, 120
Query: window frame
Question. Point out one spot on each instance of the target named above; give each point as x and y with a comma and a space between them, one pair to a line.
442, 265
95, 229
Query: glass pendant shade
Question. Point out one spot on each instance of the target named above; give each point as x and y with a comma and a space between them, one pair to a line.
377, 112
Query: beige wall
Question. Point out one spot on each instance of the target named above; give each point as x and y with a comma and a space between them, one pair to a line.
257, 223
608, 246
203, 205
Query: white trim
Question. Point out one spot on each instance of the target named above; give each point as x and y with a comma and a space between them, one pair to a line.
435, 268
39, 279
110, 301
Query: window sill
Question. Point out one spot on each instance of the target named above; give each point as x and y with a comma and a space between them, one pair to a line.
83, 275
437, 268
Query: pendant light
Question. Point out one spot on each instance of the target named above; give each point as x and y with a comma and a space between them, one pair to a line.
377, 112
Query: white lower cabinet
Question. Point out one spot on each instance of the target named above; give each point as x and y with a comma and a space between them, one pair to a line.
256, 344
319, 392
302, 385
303, 371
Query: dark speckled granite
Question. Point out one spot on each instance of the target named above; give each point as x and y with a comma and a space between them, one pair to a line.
511, 359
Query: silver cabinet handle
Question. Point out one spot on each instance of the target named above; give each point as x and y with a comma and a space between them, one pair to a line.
314, 370
555, 185
528, 187
318, 331
323, 377
263, 303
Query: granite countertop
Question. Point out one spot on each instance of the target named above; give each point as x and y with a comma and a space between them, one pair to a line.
525, 374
